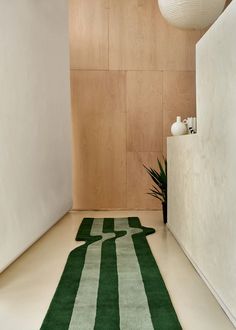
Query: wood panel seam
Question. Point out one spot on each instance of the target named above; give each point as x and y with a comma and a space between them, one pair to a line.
128, 70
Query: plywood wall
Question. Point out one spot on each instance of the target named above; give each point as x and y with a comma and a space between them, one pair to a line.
131, 74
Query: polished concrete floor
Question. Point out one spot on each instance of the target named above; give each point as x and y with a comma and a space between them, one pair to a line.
27, 286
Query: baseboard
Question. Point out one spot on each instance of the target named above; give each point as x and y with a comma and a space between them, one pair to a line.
204, 278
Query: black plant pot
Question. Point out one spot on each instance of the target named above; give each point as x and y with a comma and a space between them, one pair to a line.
164, 210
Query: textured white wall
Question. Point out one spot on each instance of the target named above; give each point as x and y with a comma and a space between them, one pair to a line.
202, 168
35, 138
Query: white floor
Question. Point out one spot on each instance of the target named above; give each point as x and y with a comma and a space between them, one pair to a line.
27, 286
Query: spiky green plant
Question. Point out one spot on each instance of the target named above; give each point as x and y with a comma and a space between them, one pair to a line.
159, 177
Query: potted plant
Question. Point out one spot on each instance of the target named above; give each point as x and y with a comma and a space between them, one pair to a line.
159, 188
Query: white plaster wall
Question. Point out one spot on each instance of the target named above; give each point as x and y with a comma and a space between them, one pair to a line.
35, 138
202, 167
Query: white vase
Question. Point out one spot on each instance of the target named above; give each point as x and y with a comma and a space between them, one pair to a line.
178, 128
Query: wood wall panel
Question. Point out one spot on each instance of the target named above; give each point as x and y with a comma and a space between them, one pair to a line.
138, 181
99, 91
140, 39
131, 75
180, 49
89, 34
179, 97
100, 161
99, 135
144, 110
136, 35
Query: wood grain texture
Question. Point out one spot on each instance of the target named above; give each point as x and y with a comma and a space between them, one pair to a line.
140, 39
179, 49
136, 35
88, 34
100, 162
179, 99
144, 110
131, 75
138, 181
99, 91
99, 135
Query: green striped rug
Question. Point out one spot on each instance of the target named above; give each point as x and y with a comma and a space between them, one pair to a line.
112, 282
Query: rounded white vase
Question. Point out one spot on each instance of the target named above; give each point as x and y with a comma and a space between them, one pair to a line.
178, 128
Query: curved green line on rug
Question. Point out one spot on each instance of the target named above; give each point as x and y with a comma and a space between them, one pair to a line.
108, 309
60, 310
86, 308
134, 308
134, 222
108, 293
162, 311
84, 231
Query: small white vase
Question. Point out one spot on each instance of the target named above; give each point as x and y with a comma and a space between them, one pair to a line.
178, 128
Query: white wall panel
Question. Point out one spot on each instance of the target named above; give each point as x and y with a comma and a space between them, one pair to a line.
202, 168
35, 137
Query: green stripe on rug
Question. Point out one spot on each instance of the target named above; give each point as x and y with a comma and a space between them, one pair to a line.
60, 310
108, 296
160, 305
84, 310
112, 282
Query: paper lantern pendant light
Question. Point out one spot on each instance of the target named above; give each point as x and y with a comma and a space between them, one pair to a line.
191, 14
